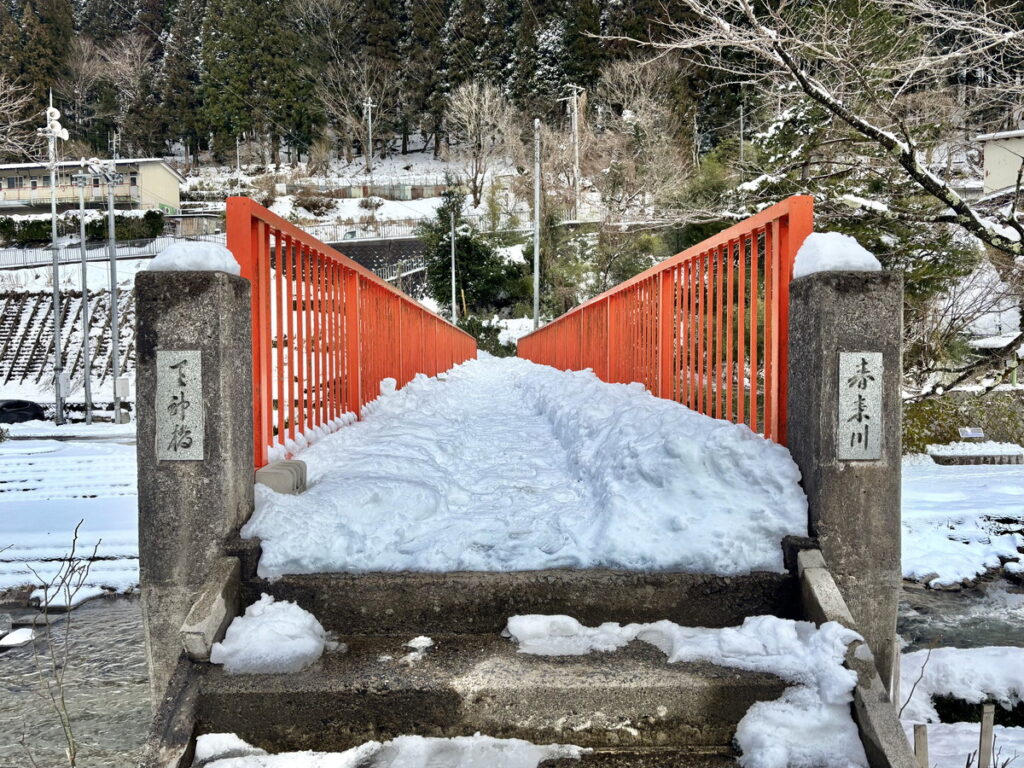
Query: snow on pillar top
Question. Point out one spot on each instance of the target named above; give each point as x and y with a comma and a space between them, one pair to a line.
195, 256
833, 252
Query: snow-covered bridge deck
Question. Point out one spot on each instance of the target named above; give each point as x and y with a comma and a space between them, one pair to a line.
502, 464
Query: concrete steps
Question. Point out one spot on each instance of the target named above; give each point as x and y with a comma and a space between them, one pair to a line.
480, 683
410, 604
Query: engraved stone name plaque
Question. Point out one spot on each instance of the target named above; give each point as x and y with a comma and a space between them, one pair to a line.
859, 427
179, 405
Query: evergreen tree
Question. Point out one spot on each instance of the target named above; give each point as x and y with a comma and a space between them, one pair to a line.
178, 80
48, 26
484, 281
252, 80
421, 79
106, 20
11, 41
497, 46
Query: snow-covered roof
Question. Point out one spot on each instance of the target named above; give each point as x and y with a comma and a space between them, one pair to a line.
1019, 134
78, 164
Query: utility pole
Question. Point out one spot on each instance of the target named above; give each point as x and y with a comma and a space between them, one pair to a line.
455, 305
741, 135
80, 180
576, 90
109, 172
536, 223
368, 105
574, 121
53, 131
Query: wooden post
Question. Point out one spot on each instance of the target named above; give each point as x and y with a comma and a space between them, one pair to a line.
921, 744
988, 714
894, 681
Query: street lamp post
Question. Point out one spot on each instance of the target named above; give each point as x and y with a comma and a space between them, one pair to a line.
108, 170
81, 180
51, 132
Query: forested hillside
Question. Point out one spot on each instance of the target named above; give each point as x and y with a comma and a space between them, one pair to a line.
661, 123
204, 72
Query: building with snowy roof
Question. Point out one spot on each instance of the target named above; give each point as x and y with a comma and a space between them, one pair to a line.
149, 182
1003, 154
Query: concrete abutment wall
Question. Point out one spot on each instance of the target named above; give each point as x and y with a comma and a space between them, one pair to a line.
190, 507
843, 328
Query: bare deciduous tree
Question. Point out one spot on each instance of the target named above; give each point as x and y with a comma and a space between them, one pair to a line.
17, 137
480, 121
85, 70
634, 157
127, 66
869, 82
344, 88
900, 76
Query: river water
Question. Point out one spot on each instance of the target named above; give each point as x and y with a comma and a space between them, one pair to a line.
108, 694
106, 688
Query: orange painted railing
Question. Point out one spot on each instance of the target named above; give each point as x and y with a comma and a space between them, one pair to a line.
325, 330
708, 327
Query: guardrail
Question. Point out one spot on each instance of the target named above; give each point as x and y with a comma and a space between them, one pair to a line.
16, 258
325, 330
707, 327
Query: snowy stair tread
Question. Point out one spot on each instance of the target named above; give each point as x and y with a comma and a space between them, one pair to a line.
407, 604
470, 683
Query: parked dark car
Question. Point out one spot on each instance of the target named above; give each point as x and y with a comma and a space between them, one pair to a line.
17, 411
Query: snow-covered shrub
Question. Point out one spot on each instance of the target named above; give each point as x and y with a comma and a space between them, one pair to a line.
317, 204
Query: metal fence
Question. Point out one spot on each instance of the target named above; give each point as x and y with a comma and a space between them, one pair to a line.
707, 327
325, 331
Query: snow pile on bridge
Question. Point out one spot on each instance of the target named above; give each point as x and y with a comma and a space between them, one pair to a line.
272, 637
809, 724
503, 465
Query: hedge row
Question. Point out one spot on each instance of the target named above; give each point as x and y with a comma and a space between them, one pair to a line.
37, 231
937, 420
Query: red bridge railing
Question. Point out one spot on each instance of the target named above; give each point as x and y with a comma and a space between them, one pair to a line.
325, 330
707, 327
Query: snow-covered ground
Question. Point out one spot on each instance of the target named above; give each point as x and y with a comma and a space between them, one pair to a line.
972, 675
46, 488
951, 519
502, 464
47, 429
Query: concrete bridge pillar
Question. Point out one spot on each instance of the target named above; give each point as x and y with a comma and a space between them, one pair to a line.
195, 443
844, 431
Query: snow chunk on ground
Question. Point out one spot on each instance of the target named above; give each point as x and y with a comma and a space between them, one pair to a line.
218, 746
833, 252
984, 448
810, 725
410, 752
505, 465
419, 647
273, 636
951, 519
18, 638
197, 256
974, 675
